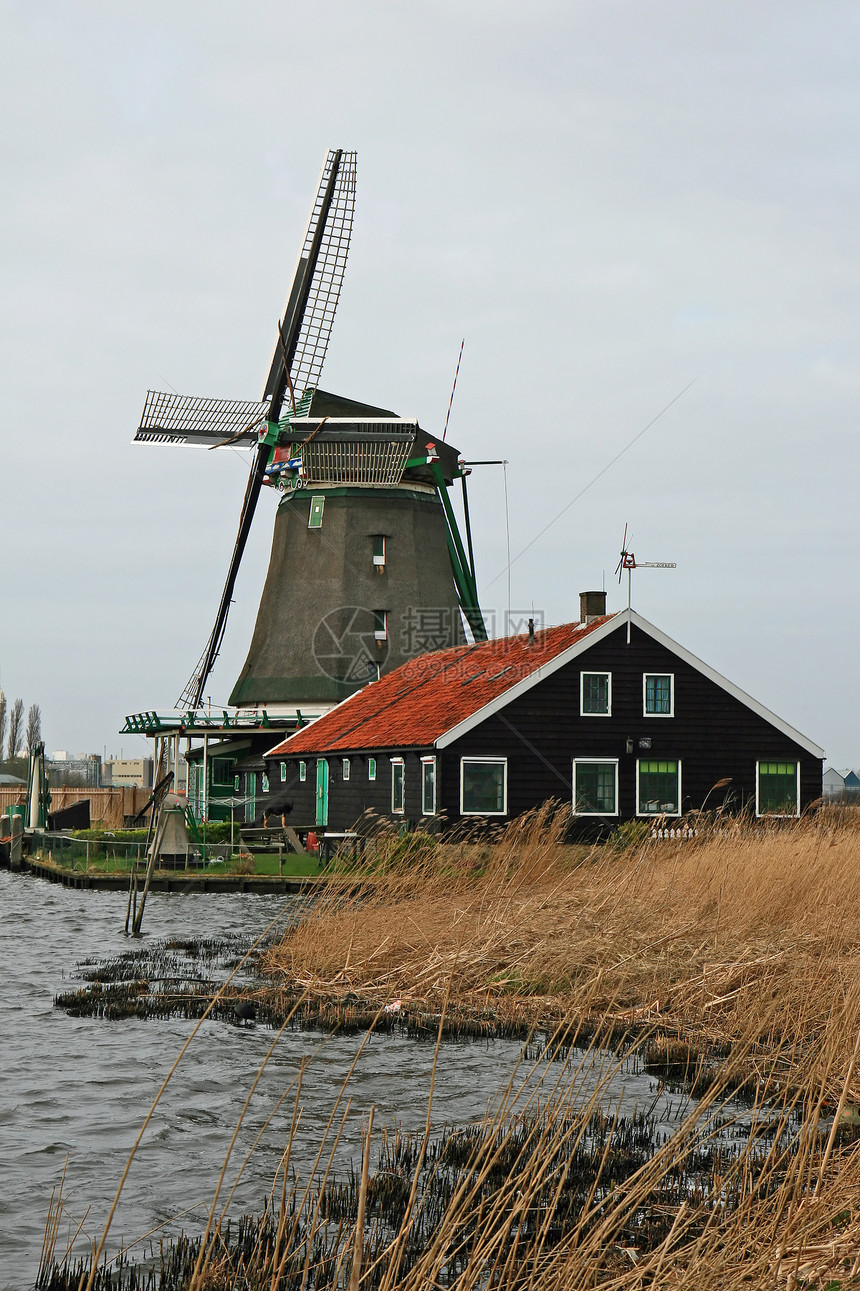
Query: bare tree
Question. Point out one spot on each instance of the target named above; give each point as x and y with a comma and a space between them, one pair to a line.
34, 725
16, 726
2, 724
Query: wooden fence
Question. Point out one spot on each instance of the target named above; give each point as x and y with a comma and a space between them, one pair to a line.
110, 807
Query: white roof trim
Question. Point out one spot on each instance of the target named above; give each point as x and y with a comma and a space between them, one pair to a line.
522, 687
599, 634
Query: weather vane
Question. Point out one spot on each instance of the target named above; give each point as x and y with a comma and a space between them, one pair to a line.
629, 562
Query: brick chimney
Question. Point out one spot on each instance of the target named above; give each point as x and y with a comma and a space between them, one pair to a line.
592, 605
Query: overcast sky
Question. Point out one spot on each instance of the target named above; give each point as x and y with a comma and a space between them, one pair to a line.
608, 199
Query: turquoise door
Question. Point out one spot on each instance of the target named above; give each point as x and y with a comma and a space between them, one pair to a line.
322, 791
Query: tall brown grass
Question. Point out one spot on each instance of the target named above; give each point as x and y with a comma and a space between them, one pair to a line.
744, 939
744, 926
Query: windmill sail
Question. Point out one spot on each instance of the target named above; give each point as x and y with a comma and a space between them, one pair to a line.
317, 282
299, 353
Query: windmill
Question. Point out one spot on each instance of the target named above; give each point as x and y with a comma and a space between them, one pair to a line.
367, 564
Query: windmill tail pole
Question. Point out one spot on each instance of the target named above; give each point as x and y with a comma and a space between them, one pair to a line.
249, 506
453, 388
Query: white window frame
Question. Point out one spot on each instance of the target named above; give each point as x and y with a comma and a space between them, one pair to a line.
401, 810
671, 676
379, 561
602, 762
380, 634
303, 771
265, 782
345, 766
652, 815
428, 762
778, 815
595, 672
283, 772
371, 768
504, 762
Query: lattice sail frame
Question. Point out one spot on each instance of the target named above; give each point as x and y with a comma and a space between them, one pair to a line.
328, 274
185, 419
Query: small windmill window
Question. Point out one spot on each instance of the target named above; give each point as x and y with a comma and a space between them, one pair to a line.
315, 515
379, 550
380, 625
346, 768
303, 770
371, 768
283, 772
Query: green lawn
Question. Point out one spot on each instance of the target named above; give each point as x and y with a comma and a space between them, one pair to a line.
292, 866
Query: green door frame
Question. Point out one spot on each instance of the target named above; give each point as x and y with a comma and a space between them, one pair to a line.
322, 791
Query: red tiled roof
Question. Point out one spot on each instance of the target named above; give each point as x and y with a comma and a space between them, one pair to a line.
422, 699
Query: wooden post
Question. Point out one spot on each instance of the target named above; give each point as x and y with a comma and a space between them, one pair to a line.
358, 1249
16, 842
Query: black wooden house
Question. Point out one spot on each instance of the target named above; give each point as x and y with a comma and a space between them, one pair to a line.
609, 714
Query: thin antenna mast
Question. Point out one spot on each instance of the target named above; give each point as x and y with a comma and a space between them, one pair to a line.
453, 388
629, 562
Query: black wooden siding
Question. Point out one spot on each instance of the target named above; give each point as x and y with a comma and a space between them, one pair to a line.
712, 734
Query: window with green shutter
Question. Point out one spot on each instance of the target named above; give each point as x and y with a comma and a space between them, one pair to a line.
595, 787
398, 785
428, 786
315, 515
658, 787
778, 789
596, 694
659, 694
483, 786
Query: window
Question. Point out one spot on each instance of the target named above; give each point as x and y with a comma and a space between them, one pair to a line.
428, 786
315, 515
283, 772
221, 771
235, 784
371, 768
380, 625
483, 786
658, 787
595, 787
777, 789
659, 689
398, 785
379, 550
265, 782
346, 768
595, 694
303, 770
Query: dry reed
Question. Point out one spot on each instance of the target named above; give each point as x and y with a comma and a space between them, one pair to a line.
742, 942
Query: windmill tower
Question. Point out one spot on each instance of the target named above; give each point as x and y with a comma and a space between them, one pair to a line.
367, 565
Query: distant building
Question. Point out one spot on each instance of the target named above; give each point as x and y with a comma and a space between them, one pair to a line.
130, 771
841, 785
833, 783
80, 768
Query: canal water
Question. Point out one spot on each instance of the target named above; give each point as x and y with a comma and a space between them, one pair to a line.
74, 1091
